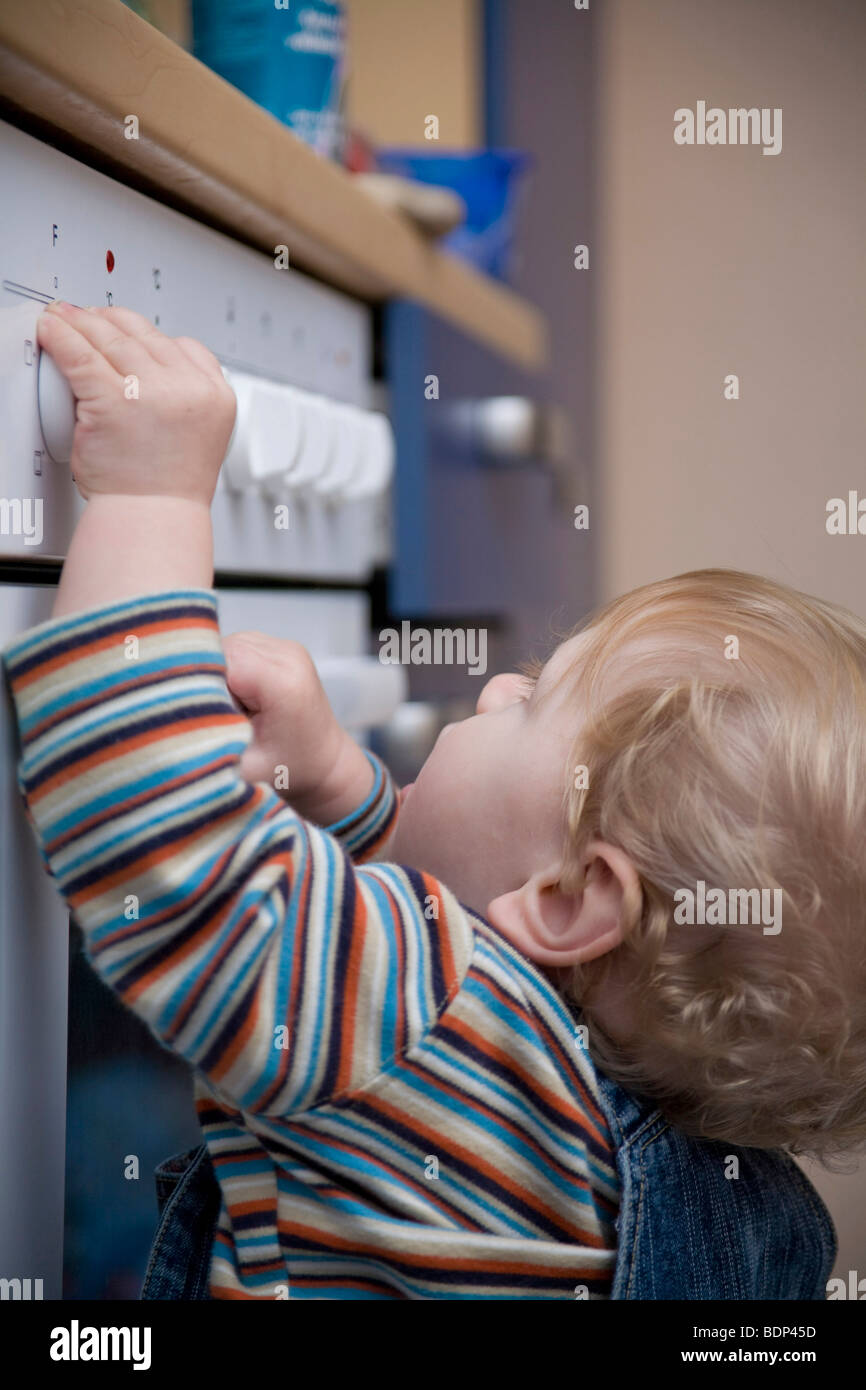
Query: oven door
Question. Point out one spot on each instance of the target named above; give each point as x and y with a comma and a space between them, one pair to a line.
34, 937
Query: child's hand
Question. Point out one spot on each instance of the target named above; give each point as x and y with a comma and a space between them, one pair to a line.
296, 736
154, 414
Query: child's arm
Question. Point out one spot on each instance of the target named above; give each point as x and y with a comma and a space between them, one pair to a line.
154, 417
147, 527
245, 936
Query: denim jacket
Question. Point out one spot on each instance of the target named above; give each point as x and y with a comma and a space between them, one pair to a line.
685, 1230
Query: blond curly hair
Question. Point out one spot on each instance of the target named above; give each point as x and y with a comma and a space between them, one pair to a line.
734, 752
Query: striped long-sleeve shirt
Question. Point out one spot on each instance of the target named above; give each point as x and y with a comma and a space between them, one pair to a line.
395, 1100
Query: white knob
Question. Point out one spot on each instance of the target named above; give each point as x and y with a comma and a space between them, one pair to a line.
345, 461
275, 432
267, 434
318, 441
377, 457
236, 462
56, 409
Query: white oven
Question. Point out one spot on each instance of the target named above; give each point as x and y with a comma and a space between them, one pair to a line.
301, 519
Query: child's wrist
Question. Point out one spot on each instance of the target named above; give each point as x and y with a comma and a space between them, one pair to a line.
165, 502
127, 546
345, 788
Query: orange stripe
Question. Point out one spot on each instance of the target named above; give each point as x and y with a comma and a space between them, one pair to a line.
248, 1027
83, 651
333, 1282
240, 1039
121, 747
599, 1122
276, 1264
211, 926
156, 856
473, 1160
123, 808
601, 1129
475, 1264
168, 912
474, 1103
449, 967
206, 1102
250, 1208
506, 1060
142, 683
383, 1166
400, 1017
203, 979
371, 847
298, 953
349, 1003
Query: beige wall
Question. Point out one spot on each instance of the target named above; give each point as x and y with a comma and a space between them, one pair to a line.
720, 259
410, 60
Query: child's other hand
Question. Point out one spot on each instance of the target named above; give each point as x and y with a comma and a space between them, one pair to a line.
154, 414
296, 736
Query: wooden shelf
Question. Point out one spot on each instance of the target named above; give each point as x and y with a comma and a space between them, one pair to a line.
82, 66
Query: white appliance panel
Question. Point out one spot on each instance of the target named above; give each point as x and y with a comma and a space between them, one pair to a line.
65, 225
34, 953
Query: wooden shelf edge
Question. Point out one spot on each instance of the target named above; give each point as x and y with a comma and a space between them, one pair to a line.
82, 66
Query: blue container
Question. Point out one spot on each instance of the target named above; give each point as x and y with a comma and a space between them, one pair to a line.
489, 183
288, 60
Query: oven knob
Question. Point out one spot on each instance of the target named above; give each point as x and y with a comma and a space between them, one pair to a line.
319, 440
314, 451
345, 461
267, 434
56, 409
289, 477
377, 457
236, 465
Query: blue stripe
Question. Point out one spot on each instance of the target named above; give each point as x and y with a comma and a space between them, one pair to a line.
101, 851
210, 686
56, 632
354, 1124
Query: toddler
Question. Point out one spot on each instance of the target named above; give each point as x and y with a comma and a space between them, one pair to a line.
468, 1041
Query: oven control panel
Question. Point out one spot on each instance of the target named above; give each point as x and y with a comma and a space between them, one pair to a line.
304, 490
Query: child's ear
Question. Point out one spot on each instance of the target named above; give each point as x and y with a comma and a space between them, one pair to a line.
560, 929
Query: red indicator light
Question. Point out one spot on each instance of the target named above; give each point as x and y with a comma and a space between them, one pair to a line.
109, 261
